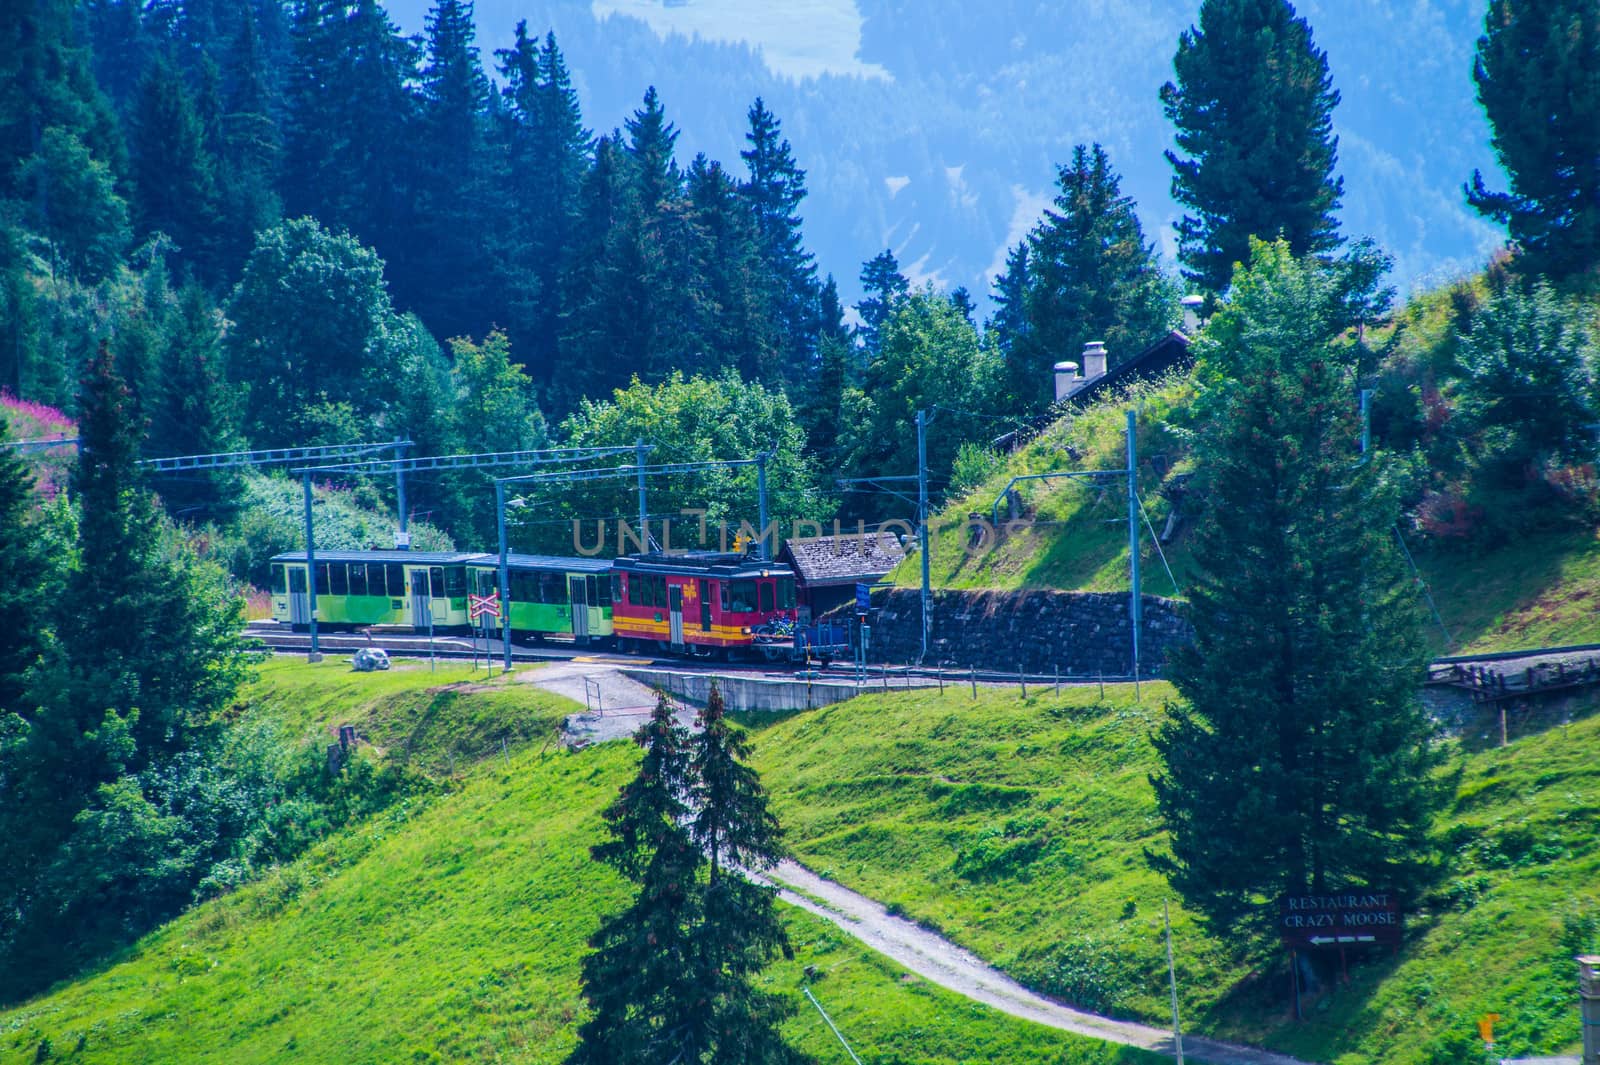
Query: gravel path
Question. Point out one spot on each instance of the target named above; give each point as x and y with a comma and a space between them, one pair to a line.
939, 961
621, 704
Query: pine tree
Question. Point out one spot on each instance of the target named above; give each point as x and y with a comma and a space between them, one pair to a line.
1253, 105
775, 190
1298, 758
643, 1009
1538, 77
739, 929
886, 289
1090, 275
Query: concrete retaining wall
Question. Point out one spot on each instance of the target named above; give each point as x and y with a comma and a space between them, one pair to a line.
745, 693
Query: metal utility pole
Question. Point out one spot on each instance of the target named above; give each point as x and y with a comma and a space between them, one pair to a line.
923, 419
505, 576
402, 539
765, 550
1135, 604
644, 515
311, 570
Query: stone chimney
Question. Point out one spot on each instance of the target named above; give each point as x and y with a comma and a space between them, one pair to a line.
1066, 379
1094, 359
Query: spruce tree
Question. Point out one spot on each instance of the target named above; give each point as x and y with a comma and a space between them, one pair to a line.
775, 190
1253, 104
547, 150
1538, 77
885, 290
739, 931
194, 411
175, 173
22, 558
1089, 275
736, 327
822, 404
439, 268
1297, 758
644, 1010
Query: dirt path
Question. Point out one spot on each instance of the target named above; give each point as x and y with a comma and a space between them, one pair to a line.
939, 961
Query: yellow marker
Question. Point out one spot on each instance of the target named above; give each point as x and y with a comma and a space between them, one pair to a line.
1486, 1025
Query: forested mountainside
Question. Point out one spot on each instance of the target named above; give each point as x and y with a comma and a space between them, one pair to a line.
934, 128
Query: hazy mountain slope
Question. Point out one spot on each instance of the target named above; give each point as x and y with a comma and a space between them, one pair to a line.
948, 155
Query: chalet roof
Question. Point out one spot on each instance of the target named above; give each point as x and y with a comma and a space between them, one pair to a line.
1153, 361
843, 559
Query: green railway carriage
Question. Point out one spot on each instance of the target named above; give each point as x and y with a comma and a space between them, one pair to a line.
551, 596
417, 588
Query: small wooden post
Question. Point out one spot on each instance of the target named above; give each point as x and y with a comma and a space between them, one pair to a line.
1022, 681
885, 676
1504, 742
974, 682
1102, 685
1058, 679
939, 672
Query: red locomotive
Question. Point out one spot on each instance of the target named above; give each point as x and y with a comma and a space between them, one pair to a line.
703, 603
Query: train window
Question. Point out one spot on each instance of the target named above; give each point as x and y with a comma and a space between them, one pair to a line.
785, 593
358, 578
278, 585
764, 588
711, 593
661, 591
338, 580
436, 582
322, 577
741, 597
297, 580
396, 574
325, 583
455, 582
524, 587
616, 588
602, 585
593, 593
553, 588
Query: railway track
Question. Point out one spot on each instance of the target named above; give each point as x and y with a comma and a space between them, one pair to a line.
1489, 677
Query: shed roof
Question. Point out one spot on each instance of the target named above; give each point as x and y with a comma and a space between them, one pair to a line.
843, 559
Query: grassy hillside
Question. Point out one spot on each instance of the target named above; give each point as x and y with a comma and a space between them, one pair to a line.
1535, 591
450, 928
1017, 827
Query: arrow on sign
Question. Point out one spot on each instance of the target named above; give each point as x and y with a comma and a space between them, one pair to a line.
1318, 941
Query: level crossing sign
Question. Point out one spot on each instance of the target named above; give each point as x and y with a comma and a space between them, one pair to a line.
479, 605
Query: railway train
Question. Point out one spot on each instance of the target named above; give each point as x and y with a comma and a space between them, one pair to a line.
705, 604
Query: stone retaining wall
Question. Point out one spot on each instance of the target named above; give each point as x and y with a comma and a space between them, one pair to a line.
1079, 633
